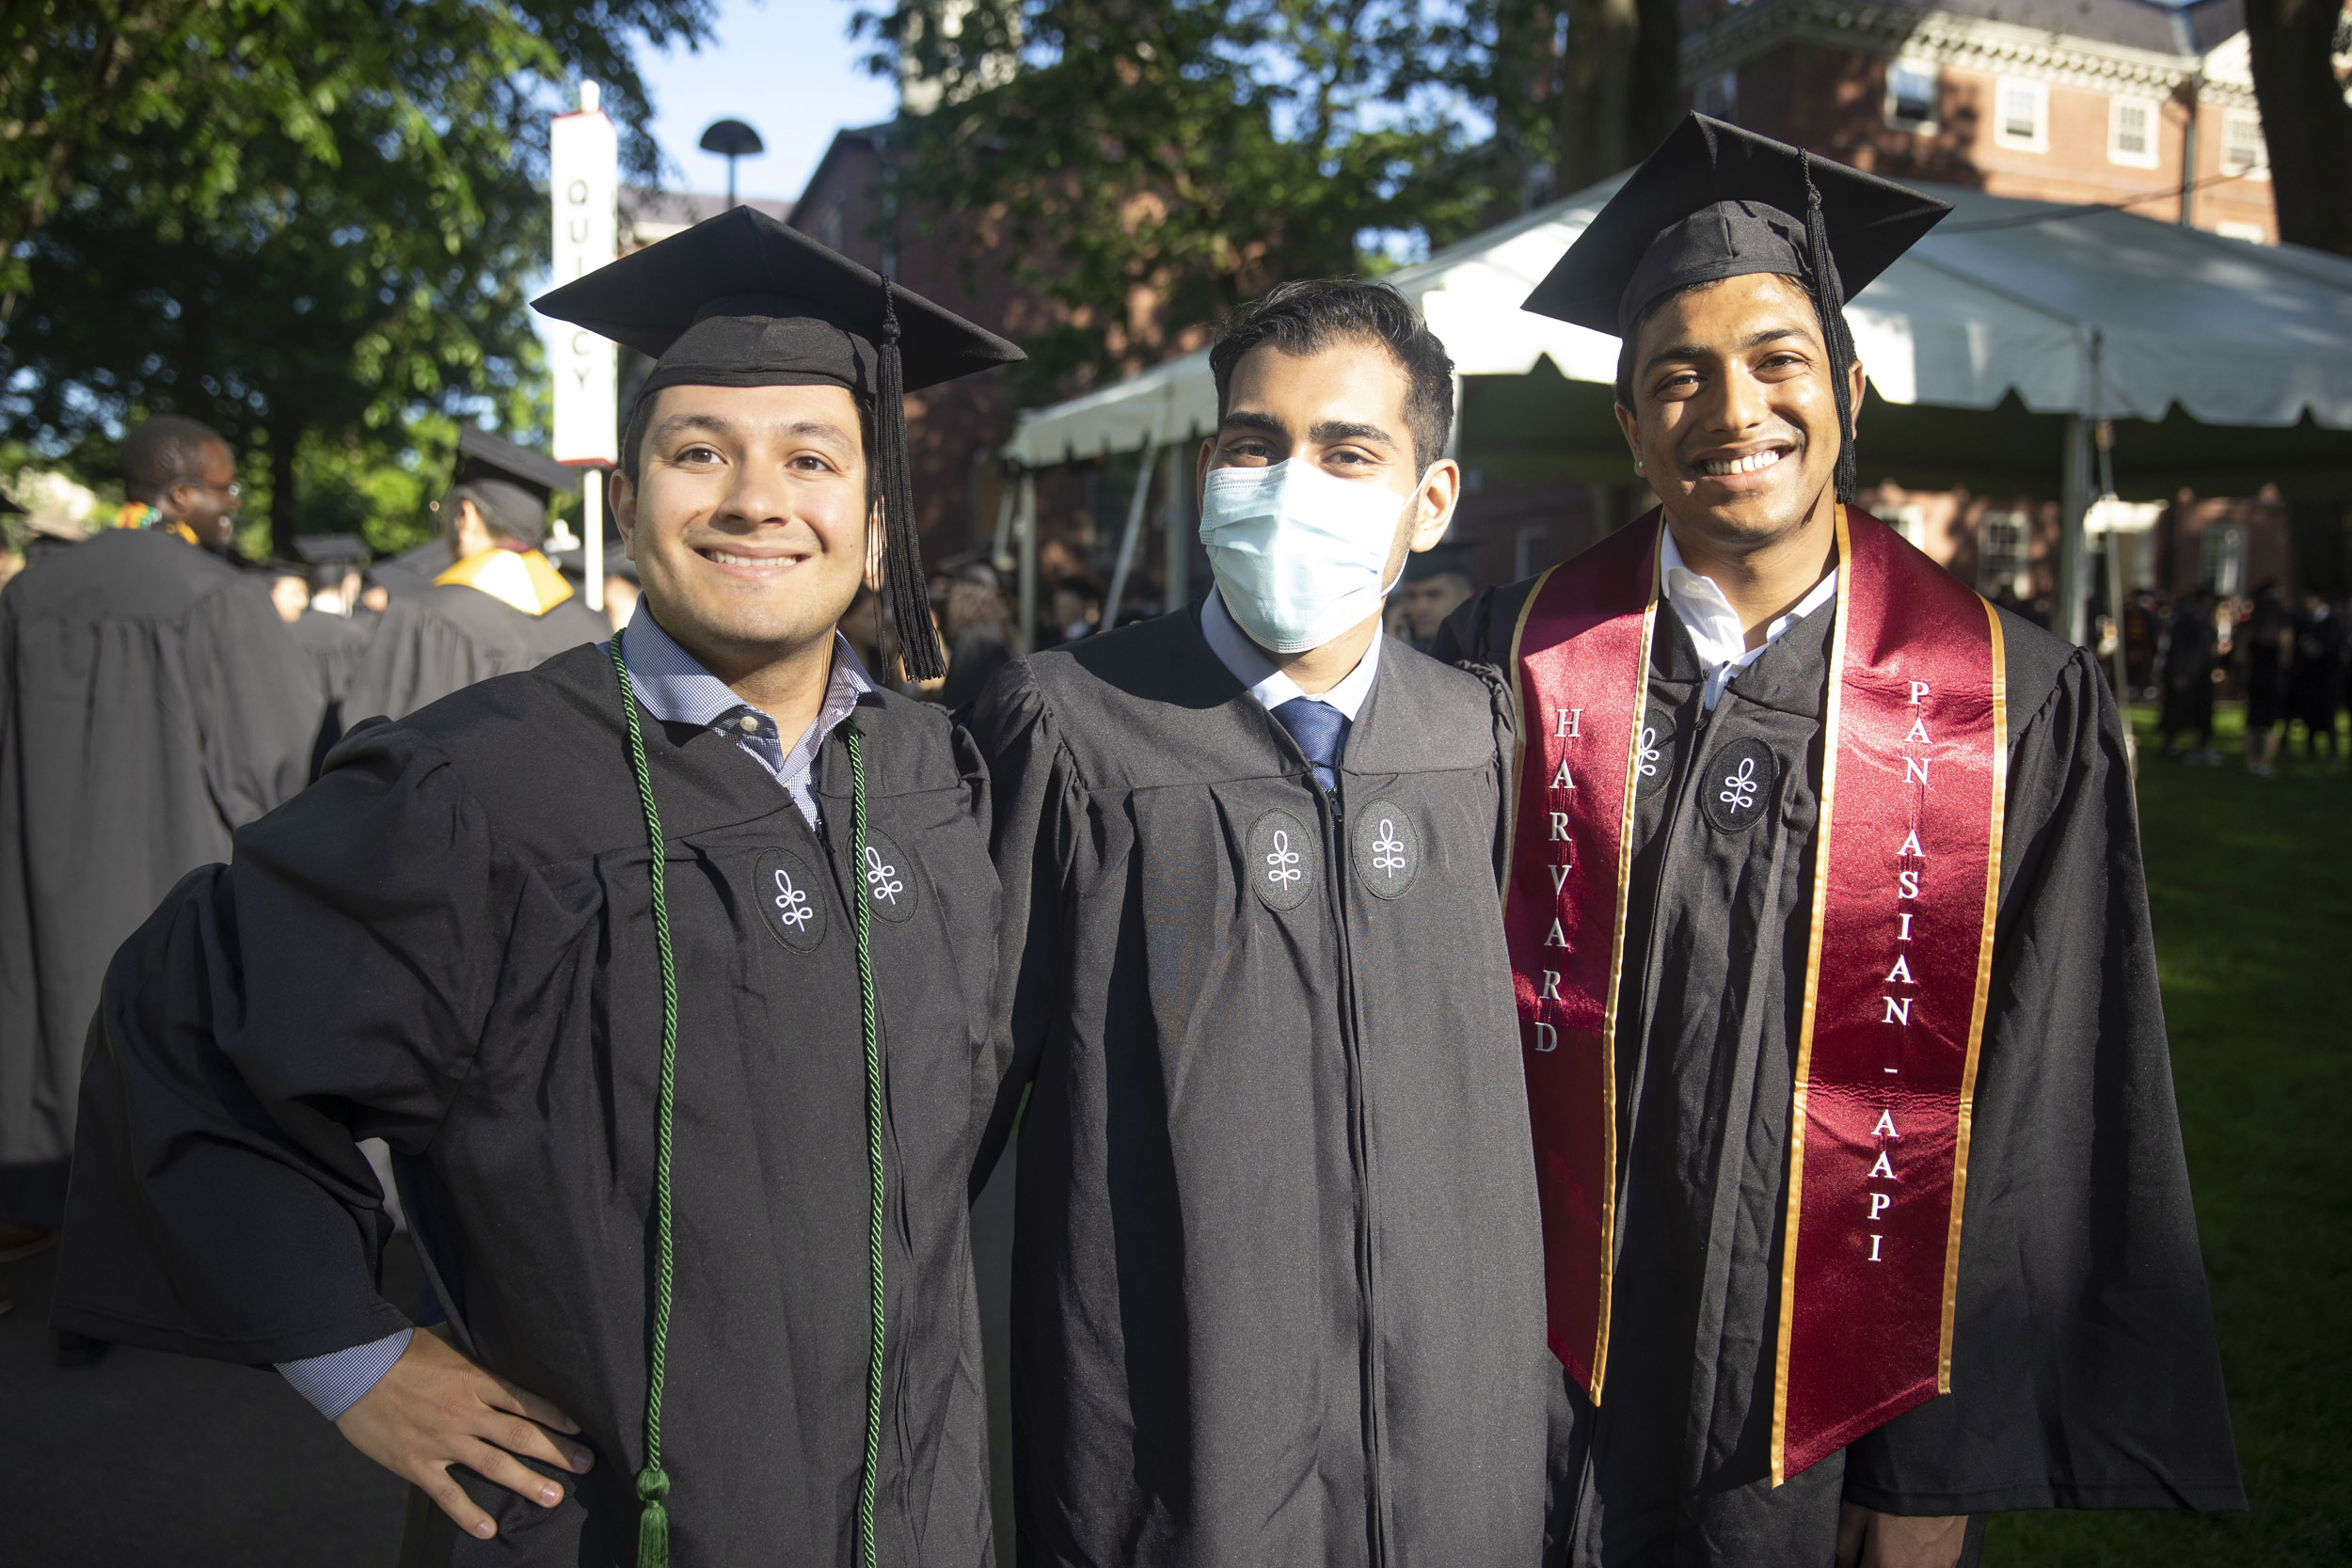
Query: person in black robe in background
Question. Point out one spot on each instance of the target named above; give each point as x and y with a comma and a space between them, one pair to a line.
499, 606
2084, 1370
152, 703
333, 628
1276, 1287
2186, 708
457, 941
2317, 677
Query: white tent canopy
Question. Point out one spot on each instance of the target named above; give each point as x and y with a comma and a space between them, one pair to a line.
2086, 311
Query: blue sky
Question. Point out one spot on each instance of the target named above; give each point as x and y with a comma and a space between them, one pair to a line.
787, 67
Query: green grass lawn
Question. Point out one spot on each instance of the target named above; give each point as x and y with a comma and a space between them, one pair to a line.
2251, 884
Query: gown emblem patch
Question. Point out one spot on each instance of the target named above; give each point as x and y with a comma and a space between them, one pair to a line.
1654, 766
889, 884
1279, 860
790, 899
1388, 849
1739, 786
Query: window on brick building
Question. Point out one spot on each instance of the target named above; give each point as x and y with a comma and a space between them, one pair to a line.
1912, 94
2001, 558
2021, 116
2242, 148
2230, 229
2132, 133
1719, 96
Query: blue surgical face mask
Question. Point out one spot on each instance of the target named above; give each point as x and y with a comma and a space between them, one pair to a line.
1297, 553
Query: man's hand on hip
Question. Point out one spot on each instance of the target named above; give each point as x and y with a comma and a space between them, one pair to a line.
1866, 1539
434, 1409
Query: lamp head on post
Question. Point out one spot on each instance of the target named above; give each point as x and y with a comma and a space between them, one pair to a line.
732, 139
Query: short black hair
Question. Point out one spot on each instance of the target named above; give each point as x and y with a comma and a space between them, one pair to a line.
509, 512
159, 453
1307, 316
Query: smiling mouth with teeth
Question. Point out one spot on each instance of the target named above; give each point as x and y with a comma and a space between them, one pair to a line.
1726, 467
728, 559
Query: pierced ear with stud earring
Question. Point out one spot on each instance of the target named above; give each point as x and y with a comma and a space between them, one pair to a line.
1637, 464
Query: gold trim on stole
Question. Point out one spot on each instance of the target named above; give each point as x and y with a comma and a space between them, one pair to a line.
1812, 991
1984, 989
1518, 737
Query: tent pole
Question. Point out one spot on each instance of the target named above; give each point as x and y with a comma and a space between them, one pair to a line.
1025, 523
1147, 463
1000, 550
2074, 498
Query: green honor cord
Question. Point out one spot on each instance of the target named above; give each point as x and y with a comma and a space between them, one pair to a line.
653, 1483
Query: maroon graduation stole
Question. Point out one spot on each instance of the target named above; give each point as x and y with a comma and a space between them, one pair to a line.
1907, 876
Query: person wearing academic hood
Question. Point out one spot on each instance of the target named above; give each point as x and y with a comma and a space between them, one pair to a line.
152, 704
1864, 1207
499, 604
666, 968
1276, 1294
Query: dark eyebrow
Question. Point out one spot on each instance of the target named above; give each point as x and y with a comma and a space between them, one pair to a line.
1244, 419
1328, 430
1699, 350
679, 424
1342, 430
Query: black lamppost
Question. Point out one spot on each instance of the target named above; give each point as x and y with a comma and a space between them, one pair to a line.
732, 139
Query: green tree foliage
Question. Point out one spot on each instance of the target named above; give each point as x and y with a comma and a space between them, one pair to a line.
1147, 163
308, 222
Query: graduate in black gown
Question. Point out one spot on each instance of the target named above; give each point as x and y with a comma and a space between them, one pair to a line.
684, 1137
333, 628
1274, 1268
152, 703
499, 604
2080, 1353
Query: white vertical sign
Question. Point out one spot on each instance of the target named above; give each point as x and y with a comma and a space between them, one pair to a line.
584, 164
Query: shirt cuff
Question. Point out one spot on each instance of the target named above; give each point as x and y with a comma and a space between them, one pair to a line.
334, 1382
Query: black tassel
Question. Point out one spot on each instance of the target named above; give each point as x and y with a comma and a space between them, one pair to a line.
907, 595
1829, 302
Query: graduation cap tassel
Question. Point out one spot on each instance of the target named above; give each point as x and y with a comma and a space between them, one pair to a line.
1829, 302
902, 546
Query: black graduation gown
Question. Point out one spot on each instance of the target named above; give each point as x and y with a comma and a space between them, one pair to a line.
151, 701
1275, 1284
446, 943
409, 575
2084, 1368
424, 648
336, 644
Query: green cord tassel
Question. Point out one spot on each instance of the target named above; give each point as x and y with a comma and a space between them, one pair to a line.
653, 1521
653, 1483
853, 739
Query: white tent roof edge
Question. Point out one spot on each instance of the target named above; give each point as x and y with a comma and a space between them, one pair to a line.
2077, 311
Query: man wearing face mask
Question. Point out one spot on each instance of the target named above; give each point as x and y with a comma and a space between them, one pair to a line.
1865, 1208
1276, 1283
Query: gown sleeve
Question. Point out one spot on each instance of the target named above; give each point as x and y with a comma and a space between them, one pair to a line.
330, 985
1033, 782
2084, 1372
260, 702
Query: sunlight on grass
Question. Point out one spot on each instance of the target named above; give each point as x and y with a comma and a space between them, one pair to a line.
2251, 882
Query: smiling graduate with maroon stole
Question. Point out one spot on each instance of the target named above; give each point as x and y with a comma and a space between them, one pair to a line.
1864, 1207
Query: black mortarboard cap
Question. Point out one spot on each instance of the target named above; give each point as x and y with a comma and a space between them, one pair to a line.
512, 483
1715, 201
1438, 562
331, 550
744, 300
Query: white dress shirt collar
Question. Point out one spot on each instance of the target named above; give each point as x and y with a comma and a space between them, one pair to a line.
1714, 627
1248, 663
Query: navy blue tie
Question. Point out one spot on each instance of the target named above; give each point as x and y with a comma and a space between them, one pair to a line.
1321, 730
